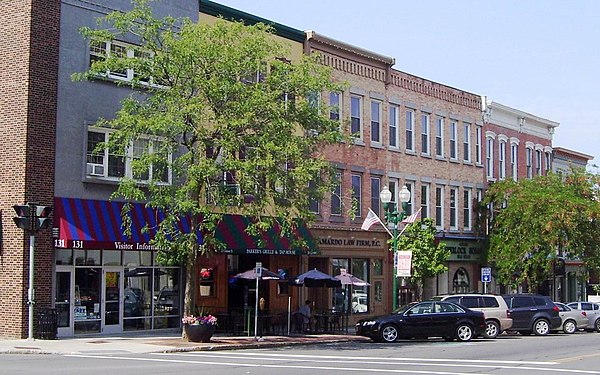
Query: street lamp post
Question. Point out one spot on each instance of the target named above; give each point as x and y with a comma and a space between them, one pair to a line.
393, 216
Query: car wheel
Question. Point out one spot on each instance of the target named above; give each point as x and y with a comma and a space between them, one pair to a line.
541, 327
464, 332
569, 326
492, 329
597, 325
389, 333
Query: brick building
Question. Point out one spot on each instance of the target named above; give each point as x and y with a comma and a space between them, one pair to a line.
410, 132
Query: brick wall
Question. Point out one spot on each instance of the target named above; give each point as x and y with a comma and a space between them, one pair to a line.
28, 80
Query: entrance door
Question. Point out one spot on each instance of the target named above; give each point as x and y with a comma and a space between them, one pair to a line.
63, 301
112, 292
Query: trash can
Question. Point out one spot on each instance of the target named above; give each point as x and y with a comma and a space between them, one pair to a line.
47, 326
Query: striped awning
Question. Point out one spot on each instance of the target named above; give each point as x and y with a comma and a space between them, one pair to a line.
98, 224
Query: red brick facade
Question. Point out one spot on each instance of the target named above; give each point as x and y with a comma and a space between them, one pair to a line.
28, 80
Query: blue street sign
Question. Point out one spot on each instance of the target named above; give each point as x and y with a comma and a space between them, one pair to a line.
486, 274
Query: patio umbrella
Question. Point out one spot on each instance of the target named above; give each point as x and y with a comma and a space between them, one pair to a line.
315, 278
258, 273
349, 279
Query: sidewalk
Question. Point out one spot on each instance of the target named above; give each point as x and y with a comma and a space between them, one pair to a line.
158, 342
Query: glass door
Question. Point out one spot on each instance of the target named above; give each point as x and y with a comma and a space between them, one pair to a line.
63, 301
112, 292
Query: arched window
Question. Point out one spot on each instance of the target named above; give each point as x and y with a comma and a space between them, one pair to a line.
460, 282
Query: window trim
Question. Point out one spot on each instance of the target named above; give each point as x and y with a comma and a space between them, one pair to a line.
409, 127
453, 140
467, 142
357, 192
425, 134
377, 124
439, 207
453, 208
393, 126
439, 137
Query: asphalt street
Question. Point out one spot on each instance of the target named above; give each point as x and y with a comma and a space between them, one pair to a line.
553, 354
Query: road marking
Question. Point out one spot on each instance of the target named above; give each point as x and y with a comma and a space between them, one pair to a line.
577, 358
422, 362
387, 360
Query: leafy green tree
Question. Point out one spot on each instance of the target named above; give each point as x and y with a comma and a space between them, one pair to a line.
238, 126
532, 222
429, 258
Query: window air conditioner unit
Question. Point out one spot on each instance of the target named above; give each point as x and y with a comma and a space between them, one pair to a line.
95, 169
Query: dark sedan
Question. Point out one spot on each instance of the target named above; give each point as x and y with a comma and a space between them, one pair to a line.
422, 320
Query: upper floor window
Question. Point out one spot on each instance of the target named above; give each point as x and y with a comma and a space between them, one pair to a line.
356, 116
467, 209
313, 204
424, 201
478, 140
453, 140
393, 187
489, 157
439, 137
467, 142
425, 133
453, 208
104, 162
336, 195
357, 193
335, 105
393, 113
548, 162
410, 204
502, 160
376, 121
514, 150
100, 50
538, 162
375, 190
529, 162
410, 126
439, 207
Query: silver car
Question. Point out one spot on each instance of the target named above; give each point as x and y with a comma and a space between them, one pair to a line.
572, 319
593, 313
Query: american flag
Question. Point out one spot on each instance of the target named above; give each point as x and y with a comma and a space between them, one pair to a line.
412, 218
370, 220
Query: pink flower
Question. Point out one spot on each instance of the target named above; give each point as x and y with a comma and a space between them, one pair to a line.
197, 320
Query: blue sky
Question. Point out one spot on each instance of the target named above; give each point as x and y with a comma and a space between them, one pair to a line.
541, 57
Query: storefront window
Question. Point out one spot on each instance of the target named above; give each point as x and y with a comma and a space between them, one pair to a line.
460, 282
87, 300
207, 282
360, 294
137, 258
378, 291
339, 301
111, 257
167, 299
87, 257
64, 257
138, 292
377, 267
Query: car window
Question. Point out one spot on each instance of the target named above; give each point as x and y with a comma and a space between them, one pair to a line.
522, 301
573, 305
421, 308
450, 308
586, 306
595, 306
539, 301
562, 307
490, 302
470, 301
453, 299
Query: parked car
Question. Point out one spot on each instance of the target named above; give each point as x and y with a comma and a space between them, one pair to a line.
593, 313
572, 319
497, 316
533, 313
423, 320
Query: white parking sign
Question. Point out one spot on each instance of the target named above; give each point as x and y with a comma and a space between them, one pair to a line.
486, 274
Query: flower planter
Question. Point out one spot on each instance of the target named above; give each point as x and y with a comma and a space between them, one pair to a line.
199, 332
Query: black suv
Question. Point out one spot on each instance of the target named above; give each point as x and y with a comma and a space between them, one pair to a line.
532, 313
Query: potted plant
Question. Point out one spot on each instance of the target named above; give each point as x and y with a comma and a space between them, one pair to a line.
199, 328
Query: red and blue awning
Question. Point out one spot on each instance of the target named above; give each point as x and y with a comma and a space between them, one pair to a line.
98, 224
